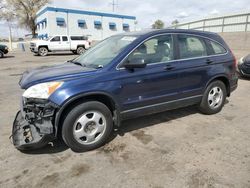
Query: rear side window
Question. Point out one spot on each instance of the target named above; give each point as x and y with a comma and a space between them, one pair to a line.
79, 38
64, 38
217, 48
191, 47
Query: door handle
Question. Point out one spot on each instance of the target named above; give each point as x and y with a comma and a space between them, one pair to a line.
169, 67
209, 61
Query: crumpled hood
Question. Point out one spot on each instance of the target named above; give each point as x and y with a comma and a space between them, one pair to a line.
52, 73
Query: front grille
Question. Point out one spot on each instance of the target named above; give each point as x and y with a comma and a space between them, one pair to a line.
32, 44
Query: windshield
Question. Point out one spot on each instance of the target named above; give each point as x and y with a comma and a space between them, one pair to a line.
104, 52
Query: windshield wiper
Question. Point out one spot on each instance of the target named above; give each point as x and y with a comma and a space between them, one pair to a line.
77, 63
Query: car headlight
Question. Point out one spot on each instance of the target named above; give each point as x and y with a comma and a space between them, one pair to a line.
241, 61
6, 47
42, 91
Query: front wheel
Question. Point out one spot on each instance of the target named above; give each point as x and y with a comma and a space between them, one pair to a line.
43, 51
214, 98
87, 126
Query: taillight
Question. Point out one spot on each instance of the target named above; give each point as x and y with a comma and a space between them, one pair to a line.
235, 60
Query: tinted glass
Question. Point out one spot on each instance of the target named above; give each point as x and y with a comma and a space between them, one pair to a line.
55, 39
191, 47
155, 50
64, 38
217, 48
79, 38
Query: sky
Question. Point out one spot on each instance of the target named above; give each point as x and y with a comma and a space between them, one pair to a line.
147, 11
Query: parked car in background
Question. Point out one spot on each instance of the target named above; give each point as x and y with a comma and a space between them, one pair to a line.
76, 44
122, 77
244, 66
3, 50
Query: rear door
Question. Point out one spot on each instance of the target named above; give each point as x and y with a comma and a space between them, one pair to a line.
195, 63
158, 82
65, 44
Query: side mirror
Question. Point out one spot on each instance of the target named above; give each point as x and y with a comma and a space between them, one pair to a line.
137, 63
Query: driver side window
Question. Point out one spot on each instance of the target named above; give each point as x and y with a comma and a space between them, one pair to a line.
155, 50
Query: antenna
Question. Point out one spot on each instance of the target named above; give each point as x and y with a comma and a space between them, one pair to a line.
113, 5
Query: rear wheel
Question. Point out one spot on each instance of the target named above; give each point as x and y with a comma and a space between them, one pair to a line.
80, 50
43, 51
214, 98
87, 126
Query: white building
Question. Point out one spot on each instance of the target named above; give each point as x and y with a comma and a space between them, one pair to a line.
97, 25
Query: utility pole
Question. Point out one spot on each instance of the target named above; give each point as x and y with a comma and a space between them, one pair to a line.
10, 35
113, 5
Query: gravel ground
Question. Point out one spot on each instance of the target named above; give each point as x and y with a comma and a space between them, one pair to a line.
180, 148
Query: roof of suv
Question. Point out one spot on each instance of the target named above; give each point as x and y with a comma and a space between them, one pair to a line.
150, 32
159, 31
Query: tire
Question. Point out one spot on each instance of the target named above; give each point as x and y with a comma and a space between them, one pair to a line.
43, 51
87, 126
80, 50
213, 98
1, 54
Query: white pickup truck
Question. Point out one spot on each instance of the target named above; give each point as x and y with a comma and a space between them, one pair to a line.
76, 44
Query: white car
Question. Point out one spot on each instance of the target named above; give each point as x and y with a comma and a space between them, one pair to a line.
76, 44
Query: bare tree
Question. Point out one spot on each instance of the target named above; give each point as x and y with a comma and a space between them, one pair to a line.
7, 15
159, 24
175, 23
25, 11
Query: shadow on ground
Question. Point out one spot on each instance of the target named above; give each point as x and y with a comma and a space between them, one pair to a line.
126, 127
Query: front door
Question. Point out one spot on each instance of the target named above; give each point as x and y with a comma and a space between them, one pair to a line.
155, 84
55, 44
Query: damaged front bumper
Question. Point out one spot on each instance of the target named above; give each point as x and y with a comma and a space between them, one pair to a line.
33, 126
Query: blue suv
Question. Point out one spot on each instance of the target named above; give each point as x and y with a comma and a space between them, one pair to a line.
123, 76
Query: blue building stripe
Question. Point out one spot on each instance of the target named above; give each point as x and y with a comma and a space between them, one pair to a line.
53, 9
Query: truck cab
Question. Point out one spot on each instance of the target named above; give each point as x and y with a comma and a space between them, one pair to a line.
57, 43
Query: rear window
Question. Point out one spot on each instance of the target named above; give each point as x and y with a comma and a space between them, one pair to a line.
217, 48
79, 38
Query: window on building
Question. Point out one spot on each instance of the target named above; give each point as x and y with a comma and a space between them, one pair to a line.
191, 47
60, 21
64, 38
98, 24
112, 26
55, 39
81, 23
125, 27
155, 50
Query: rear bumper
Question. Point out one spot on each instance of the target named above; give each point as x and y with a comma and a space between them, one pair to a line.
233, 82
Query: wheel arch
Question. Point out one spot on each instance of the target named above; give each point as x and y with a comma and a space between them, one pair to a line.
80, 45
222, 78
81, 98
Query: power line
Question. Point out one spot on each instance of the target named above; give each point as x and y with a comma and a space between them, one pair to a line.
114, 4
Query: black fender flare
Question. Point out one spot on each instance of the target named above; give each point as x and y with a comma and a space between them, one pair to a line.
117, 115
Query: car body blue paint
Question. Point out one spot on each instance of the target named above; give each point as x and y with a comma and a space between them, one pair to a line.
142, 87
